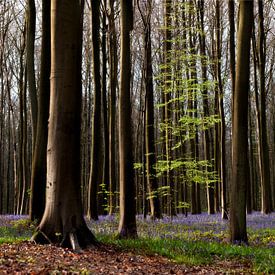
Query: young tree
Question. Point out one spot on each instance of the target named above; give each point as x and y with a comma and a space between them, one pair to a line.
39, 165
63, 221
240, 170
127, 223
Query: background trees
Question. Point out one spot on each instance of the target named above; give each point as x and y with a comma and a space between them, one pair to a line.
180, 91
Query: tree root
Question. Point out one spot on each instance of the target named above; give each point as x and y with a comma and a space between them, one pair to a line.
76, 239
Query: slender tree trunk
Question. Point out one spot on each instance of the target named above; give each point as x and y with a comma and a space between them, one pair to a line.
222, 133
106, 170
96, 171
264, 148
127, 222
39, 165
150, 152
112, 45
240, 170
31, 21
168, 105
207, 138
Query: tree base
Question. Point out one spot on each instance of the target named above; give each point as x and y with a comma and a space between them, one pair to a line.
76, 239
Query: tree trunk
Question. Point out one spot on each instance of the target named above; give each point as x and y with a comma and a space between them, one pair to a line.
168, 106
222, 132
39, 165
106, 178
31, 21
63, 221
96, 171
150, 152
112, 45
263, 140
207, 141
240, 170
127, 223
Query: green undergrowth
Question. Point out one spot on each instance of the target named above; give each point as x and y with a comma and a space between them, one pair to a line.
198, 252
183, 245
20, 230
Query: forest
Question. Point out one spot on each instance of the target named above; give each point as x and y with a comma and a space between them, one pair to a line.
137, 137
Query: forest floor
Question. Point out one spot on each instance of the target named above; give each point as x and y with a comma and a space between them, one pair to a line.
27, 258
197, 244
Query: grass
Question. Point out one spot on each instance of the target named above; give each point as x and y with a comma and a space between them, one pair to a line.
198, 252
200, 242
13, 235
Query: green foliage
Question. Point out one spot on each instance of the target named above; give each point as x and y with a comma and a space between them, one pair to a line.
14, 234
24, 225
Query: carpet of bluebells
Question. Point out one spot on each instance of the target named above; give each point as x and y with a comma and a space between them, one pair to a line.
195, 240
201, 227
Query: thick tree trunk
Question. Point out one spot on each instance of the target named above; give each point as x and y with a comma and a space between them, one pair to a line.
39, 165
240, 170
63, 221
127, 223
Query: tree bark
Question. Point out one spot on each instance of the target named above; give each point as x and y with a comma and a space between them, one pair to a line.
240, 170
266, 206
63, 221
127, 223
39, 165
207, 138
112, 45
96, 171
31, 21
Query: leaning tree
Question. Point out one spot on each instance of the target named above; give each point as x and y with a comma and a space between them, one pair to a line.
63, 221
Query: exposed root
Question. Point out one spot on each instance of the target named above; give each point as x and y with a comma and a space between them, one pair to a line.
74, 243
77, 239
39, 237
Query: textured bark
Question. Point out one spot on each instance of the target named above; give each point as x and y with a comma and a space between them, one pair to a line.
240, 170
127, 223
39, 165
63, 221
